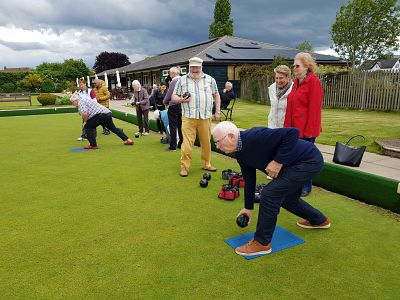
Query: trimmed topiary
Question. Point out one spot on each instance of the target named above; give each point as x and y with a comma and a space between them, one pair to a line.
47, 99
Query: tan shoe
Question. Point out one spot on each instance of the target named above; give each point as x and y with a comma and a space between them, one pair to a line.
253, 248
305, 224
210, 168
183, 172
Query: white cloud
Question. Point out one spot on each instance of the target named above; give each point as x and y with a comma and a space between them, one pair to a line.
327, 52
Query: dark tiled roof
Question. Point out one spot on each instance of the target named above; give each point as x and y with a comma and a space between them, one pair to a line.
224, 50
388, 63
367, 65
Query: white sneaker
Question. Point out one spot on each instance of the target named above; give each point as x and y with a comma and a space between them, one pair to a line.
81, 139
145, 133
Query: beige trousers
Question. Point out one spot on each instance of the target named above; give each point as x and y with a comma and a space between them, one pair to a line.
189, 128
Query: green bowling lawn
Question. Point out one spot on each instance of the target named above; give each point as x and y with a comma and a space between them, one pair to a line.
119, 223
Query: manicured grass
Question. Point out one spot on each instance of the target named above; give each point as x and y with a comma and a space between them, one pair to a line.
337, 124
21, 105
120, 223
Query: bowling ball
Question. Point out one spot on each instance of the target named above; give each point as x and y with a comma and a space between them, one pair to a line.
207, 176
186, 95
137, 135
242, 221
203, 183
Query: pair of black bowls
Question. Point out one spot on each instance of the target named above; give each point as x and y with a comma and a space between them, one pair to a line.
205, 180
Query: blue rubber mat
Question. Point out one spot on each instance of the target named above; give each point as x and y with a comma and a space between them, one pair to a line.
281, 239
81, 149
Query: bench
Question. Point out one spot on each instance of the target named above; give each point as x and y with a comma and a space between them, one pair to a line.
227, 112
16, 97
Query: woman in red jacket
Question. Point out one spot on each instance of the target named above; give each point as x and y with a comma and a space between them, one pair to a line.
304, 103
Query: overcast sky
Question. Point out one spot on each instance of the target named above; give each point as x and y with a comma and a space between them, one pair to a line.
32, 32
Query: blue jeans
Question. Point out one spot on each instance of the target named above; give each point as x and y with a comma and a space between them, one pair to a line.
307, 187
284, 191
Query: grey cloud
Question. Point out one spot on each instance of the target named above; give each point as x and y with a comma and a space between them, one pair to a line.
20, 46
150, 27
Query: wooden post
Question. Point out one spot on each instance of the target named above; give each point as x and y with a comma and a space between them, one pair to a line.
363, 91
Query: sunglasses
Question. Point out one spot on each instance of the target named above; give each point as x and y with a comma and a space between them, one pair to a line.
296, 66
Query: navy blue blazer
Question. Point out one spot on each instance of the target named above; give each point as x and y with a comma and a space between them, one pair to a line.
261, 145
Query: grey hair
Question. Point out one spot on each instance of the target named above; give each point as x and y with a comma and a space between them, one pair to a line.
229, 84
136, 83
283, 69
226, 128
175, 70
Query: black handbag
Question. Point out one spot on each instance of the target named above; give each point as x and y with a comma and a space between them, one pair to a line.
348, 155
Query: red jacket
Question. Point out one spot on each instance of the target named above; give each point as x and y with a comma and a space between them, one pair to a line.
304, 106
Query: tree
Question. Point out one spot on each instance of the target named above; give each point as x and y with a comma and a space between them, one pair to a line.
366, 30
223, 24
278, 60
110, 60
51, 71
33, 81
73, 68
305, 46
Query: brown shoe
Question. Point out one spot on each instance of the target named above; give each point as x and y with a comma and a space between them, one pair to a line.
183, 172
305, 224
128, 142
253, 247
210, 168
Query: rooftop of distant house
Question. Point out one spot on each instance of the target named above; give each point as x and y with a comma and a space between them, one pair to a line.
16, 70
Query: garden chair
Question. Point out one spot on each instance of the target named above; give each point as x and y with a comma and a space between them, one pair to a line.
227, 112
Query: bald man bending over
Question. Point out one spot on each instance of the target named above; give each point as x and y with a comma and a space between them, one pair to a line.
291, 162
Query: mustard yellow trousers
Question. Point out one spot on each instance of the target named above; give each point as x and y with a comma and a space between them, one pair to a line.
189, 129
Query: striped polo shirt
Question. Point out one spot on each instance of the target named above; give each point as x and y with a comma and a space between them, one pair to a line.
201, 103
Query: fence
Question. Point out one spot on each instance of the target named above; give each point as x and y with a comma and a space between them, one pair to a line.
362, 90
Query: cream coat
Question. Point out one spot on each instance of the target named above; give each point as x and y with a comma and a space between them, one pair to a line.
277, 112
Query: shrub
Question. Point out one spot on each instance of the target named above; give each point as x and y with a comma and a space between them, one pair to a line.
48, 87
70, 86
63, 101
8, 87
47, 99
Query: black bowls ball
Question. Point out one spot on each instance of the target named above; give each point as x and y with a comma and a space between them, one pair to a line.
203, 183
186, 95
242, 221
137, 135
207, 176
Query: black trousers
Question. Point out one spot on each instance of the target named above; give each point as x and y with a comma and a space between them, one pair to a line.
175, 123
142, 115
160, 125
284, 191
104, 120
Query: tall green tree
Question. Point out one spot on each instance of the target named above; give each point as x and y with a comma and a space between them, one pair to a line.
305, 46
223, 24
110, 60
73, 68
366, 30
51, 71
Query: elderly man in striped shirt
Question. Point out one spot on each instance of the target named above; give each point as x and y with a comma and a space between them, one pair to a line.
196, 113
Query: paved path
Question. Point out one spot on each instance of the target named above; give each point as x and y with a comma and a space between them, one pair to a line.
371, 163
